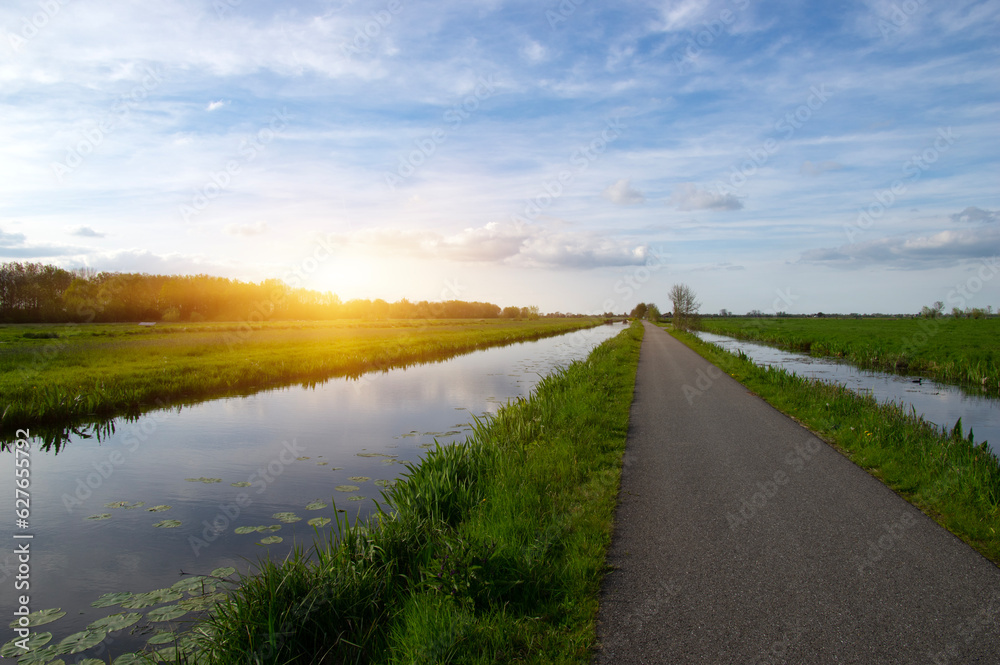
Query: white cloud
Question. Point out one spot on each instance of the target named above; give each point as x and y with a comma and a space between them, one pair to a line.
214, 106
689, 197
623, 194
976, 215
945, 248
87, 232
534, 52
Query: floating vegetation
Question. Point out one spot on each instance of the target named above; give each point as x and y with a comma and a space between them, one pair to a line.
191, 584
102, 516
287, 518
115, 622
167, 524
241, 530
204, 480
159, 509
336, 468
162, 638
375, 455
271, 540
347, 488
201, 603
356, 497
319, 521
242, 483
125, 504
359, 479
299, 459
35, 641
140, 600
389, 461
384, 483
269, 528
321, 463
41, 617
223, 572
426, 445
166, 613
81, 641
317, 505
131, 659
109, 599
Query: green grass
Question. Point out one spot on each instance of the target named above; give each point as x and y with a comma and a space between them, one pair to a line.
60, 374
488, 551
943, 473
960, 351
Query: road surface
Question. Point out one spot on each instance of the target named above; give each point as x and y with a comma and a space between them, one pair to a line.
742, 538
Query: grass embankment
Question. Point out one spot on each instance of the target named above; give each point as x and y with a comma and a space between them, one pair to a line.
487, 551
54, 375
943, 473
960, 351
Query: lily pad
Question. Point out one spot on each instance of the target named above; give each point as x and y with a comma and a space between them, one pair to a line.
116, 504
102, 516
204, 480
200, 603
109, 599
167, 524
241, 483
162, 638
319, 521
299, 459
347, 488
166, 613
41, 617
356, 498
316, 505
81, 641
35, 641
271, 540
159, 509
150, 598
223, 572
90, 661
244, 529
287, 518
114, 622
359, 479
43, 656
322, 463
193, 583
137, 504
383, 483
131, 659
269, 529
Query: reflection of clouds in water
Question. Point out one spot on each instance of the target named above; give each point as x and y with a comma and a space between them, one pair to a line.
938, 403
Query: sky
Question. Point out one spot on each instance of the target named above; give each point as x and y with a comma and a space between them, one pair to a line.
577, 155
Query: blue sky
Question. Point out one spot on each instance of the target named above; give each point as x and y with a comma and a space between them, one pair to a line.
576, 155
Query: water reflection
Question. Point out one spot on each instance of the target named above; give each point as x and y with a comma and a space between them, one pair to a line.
938, 403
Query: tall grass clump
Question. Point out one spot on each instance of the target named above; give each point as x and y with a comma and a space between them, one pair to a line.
491, 550
941, 471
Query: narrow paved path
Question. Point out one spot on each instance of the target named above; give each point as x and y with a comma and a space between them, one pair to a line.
742, 538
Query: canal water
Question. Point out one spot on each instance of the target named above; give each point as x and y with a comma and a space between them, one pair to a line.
174, 492
938, 403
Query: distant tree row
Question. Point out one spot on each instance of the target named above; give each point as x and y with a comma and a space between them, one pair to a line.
36, 293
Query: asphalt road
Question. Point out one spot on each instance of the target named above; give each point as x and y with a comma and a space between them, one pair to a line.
742, 538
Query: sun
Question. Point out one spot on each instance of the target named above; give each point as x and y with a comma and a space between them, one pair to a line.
349, 276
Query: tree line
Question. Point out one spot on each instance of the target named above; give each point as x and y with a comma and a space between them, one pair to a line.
37, 293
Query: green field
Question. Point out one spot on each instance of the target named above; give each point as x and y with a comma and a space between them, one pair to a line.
965, 352
52, 375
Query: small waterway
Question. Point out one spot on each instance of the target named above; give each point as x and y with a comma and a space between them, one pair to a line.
176, 490
938, 403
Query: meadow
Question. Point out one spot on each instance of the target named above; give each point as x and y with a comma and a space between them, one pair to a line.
944, 473
55, 375
960, 351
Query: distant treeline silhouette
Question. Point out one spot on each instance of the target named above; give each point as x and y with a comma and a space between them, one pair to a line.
37, 293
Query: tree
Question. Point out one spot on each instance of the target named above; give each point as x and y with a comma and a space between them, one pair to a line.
639, 311
652, 313
932, 312
685, 306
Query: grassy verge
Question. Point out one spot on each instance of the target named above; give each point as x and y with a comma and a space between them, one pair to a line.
943, 473
57, 375
964, 352
487, 551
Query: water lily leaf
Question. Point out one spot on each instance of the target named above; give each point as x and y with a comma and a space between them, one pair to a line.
90, 661
35, 641
301, 458
383, 483
319, 521
356, 497
167, 524
287, 518
193, 583
116, 504
271, 540
162, 638
336, 468
137, 504
269, 529
241, 483
375, 455
359, 479
240, 530
204, 480
41, 617
114, 622
109, 599
42, 656
166, 613
200, 603
149, 598
316, 505
223, 572
102, 516
321, 463
132, 659
81, 641
158, 509
347, 488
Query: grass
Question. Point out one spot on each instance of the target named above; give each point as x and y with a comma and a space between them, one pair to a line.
964, 352
943, 473
57, 375
488, 551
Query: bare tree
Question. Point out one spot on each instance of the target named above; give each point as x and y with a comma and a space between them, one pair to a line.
685, 306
